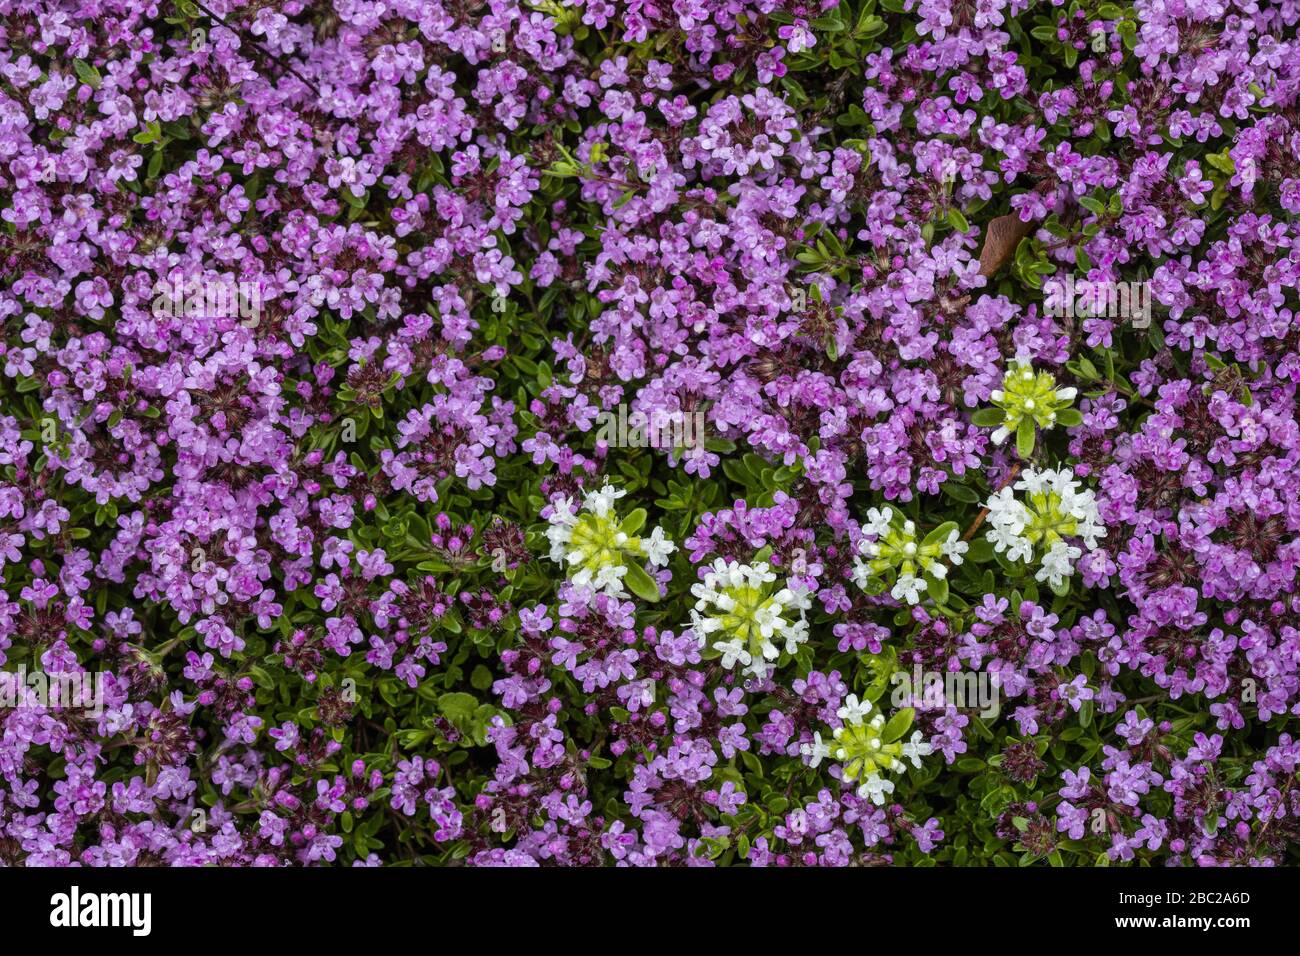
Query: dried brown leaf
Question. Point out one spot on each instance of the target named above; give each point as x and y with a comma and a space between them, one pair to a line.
1000, 240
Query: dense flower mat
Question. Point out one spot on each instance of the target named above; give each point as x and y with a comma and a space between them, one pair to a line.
575, 433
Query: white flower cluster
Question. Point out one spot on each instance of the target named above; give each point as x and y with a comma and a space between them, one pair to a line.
863, 751
1029, 397
1053, 509
741, 614
889, 548
597, 546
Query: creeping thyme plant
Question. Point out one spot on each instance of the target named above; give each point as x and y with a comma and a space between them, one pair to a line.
1053, 512
321, 323
869, 748
893, 549
1026, 401
600, 549
740, 614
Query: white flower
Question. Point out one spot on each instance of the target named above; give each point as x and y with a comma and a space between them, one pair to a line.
854, 711
1006, 509
658, 547
563, 512
1004, 539
610, 580
1036, 482
874, 787
599, 502
816, 751
795, 634
560, 530
756, 575
1090, 529
796, 596
954, 548
916, 748
877, 522
703, 591
704, 625
732, 651
907, 588
1058, 564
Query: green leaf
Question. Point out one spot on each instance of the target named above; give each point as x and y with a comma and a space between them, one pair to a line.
874, 586
856, 116
1069, 417
868, 27
959, 492
937, 588
958, 221
940, 534
150, 134
1085, 369
457, 707
898, 725
633, 522
988, 417
641, 584
1088, 664
88, 74
1025, 438
1222, 161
